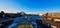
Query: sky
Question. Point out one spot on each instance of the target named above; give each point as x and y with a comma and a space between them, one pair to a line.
30, 6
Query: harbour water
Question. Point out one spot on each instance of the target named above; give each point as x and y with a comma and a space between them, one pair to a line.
23, 21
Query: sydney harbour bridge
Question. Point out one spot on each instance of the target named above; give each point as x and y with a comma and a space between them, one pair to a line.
21, 20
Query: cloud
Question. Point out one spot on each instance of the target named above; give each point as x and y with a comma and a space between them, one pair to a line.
7, 10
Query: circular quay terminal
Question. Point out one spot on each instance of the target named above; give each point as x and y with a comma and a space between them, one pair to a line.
29, 13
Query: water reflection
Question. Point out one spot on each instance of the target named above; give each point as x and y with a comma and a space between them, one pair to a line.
25, 19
